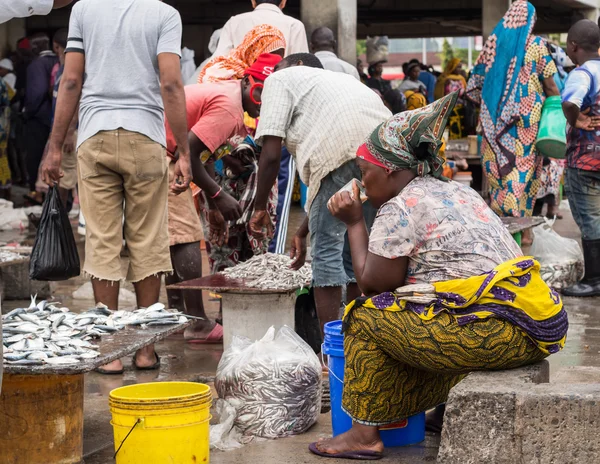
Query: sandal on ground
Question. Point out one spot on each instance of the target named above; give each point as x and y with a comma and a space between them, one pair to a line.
153, 367
215, 337
103, 371
358, 455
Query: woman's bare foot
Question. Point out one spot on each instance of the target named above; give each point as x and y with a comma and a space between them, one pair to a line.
358, 438
115, 367
199, 330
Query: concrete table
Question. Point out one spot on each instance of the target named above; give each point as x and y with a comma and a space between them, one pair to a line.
247, 311
516, 225
41, 407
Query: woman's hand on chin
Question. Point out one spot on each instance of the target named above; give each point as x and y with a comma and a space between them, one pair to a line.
347, 206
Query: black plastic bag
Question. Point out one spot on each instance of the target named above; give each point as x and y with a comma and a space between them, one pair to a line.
54, 255
307, 321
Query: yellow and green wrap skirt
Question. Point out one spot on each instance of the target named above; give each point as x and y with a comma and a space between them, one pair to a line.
405, 351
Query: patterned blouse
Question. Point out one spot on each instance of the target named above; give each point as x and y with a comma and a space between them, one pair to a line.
445, 228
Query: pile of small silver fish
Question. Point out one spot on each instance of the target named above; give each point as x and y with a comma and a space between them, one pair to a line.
562, 275
7, 256
270, 271
46, 333
275, 386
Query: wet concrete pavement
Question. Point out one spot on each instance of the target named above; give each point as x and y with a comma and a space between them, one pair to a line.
182, 361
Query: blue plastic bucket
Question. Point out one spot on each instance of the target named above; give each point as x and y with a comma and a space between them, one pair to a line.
407, 432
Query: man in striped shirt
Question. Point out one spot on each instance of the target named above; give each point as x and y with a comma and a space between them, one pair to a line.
322, 117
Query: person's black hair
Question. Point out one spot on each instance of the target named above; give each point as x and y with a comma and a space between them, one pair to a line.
308, 59
586, 34
40, 42
412, 65
414, 60
60, 37
272, 2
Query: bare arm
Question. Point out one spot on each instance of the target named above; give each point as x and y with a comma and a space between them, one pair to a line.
205, 179
571, 112
268, 169
174, 102
374, 274
61, 3
550, 88
69, 93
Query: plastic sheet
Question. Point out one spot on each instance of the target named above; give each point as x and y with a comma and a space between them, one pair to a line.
561, 258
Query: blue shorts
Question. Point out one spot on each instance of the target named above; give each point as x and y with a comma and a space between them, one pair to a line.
584, 199
330, 250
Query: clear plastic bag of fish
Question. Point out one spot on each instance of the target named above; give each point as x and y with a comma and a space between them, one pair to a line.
560, 258
274, 383
54, 256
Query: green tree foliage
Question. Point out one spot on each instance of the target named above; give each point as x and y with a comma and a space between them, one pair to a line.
361, 47
447, 53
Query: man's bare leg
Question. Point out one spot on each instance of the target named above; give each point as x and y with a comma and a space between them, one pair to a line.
328, 301
187, 263
147, 292
352, 292
107, 292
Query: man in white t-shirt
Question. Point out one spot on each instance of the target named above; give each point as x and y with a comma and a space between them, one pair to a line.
10, 9
265, 12
121, 73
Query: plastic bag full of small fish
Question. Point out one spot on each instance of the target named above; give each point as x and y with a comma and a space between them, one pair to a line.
274, 384
47, 333
270, 271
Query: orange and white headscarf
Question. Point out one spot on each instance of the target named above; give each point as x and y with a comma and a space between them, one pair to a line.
261, 39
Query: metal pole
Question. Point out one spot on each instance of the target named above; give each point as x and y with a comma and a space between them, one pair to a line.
424, 51
470, 58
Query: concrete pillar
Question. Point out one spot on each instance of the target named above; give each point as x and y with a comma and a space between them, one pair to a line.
590, 13
340, 16
492, 13
10, 32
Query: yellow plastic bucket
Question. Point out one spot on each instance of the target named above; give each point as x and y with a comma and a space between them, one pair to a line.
164, 422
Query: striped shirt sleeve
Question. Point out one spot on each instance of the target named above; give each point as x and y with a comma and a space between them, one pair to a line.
75, 38
277, 109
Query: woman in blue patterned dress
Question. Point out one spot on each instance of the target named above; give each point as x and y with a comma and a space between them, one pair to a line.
511, 79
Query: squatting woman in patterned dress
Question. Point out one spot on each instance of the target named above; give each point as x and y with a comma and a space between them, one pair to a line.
472, 302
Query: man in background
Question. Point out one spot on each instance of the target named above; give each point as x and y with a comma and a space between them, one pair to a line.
38, 107
121, 155
323, 45
265, 12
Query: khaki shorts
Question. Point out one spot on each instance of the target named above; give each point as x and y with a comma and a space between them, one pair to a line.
69, 168
124, 174
184, 221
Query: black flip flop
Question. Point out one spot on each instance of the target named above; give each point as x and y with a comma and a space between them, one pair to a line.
99, 370
153, 367
356, 455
